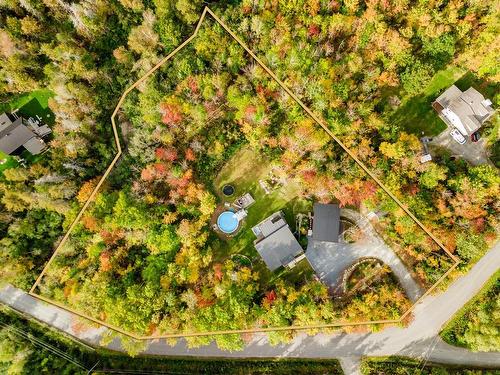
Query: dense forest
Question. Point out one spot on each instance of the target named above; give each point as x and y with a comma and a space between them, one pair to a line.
143, 256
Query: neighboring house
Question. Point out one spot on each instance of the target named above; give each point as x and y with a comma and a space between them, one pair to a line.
466, 111
326, 223
17, 132
276, 243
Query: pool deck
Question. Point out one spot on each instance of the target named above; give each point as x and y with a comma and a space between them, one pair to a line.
213, 223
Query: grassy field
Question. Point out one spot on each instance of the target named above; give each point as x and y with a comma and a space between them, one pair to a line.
243, 171
485, 300
42, 96
6, 162
416, 115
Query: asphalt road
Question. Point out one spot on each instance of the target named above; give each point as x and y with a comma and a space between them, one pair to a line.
419, 340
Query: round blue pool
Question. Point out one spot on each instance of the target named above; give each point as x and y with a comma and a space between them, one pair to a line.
227, 222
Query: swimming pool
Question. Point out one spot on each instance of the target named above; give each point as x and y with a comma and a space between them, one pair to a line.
227, 222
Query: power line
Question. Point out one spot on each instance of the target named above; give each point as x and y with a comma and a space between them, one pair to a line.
38, 342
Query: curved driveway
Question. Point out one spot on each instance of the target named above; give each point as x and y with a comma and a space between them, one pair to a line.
419, 340
330, 259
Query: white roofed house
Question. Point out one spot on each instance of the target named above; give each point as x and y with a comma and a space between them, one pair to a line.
466, 110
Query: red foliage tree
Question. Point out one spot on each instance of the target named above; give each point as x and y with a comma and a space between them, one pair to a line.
147, 174
313, 30
269, 298
160, 169
190, 155
193, 85
308, 175
354, 193
105, 260
250, 112
218, 271
166, 154
171, 114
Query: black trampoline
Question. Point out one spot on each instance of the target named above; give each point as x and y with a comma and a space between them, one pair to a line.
228, 190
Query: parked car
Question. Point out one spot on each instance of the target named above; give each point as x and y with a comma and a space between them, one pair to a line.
475, 137
458, 137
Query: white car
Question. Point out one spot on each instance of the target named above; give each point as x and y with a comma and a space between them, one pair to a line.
457, 136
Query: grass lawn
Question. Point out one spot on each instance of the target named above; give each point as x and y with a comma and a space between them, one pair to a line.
42, 96
243, 171
6, 162
416, 115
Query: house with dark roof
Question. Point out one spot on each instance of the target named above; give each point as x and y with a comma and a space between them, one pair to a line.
466, 111
17, 132
326, 222
276, 243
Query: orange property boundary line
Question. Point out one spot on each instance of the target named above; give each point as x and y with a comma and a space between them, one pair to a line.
239, 331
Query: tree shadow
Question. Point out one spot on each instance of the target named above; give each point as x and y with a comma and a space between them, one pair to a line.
486, 87
33, 109
417, 116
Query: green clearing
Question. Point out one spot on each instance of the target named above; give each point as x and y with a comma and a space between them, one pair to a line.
243, 171
416, 115
18, 101
6, 162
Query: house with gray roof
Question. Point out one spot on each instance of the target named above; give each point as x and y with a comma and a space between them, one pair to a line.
276, 243
326, 222
17, 132
465, 110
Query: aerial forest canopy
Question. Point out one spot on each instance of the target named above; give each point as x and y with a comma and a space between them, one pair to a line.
143, 256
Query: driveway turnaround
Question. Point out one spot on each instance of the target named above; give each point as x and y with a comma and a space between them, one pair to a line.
329, 260
474, 152
419, 340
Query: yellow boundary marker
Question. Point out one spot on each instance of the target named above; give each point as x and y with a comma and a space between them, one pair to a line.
320, 122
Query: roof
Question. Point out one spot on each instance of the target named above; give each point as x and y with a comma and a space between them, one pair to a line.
451, 93
35, 145
466, 111
326, 222
272, 224
5, 121
279, 248
14, 136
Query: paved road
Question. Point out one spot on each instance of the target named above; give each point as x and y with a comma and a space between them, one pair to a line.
418, 340
329, 260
